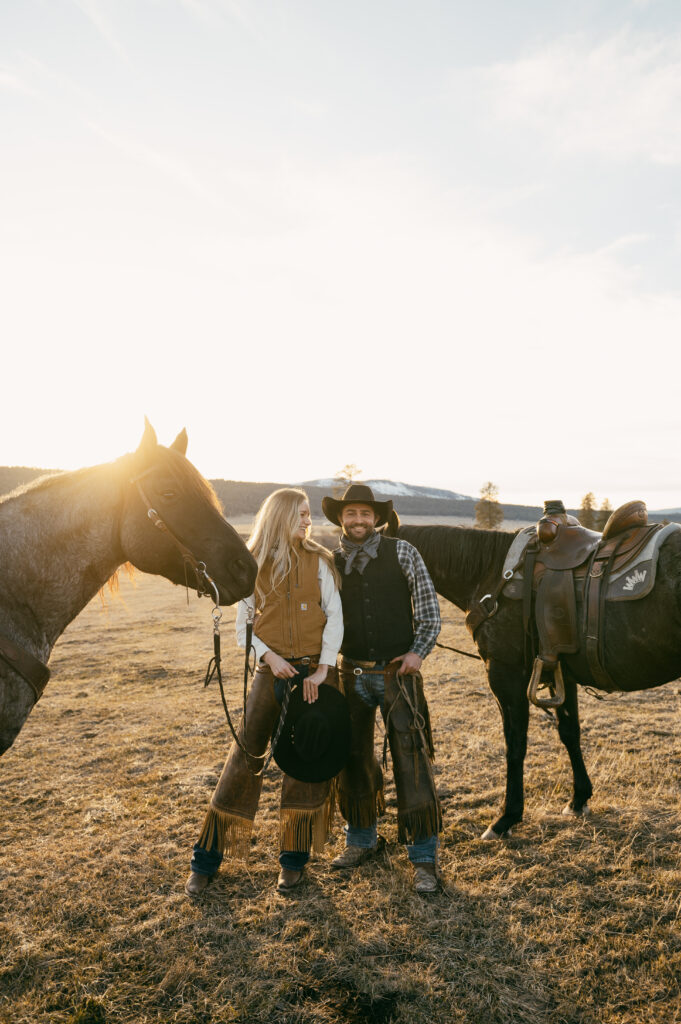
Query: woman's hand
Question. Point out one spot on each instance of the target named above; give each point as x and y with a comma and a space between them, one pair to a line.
279, 666
311, 683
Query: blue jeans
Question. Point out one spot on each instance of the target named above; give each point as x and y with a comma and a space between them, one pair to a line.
207, 862
370, 688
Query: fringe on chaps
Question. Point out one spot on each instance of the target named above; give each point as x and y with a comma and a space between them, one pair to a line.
307, 808
409, 736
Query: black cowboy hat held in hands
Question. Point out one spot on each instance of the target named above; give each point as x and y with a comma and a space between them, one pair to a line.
314, 742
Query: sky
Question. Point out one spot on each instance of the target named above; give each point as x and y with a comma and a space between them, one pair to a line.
439, 240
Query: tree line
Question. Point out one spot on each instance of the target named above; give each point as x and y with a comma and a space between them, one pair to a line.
489, 514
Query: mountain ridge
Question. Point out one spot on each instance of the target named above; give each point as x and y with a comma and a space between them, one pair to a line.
244, 497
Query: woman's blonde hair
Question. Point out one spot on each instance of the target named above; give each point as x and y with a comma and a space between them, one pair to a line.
272, 540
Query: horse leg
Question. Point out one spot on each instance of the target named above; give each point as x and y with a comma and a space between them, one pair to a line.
508, 685
16, 700
569, 732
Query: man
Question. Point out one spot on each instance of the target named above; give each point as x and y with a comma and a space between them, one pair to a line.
391, 618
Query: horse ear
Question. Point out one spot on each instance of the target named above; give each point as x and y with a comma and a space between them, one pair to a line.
180, 442
149, 439
393, 524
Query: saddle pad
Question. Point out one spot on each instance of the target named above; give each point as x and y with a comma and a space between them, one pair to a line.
515, 558
637, 579
517, 549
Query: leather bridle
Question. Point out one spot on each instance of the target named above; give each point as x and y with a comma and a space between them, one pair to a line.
205, 584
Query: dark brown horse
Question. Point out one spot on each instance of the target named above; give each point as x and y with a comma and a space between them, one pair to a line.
64, 536
642, 645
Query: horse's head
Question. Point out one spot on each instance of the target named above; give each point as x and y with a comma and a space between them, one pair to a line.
165, 490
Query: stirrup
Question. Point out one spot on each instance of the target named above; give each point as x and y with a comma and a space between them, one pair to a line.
556, 687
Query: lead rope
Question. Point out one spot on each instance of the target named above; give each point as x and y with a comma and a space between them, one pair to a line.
214, 670
419, 725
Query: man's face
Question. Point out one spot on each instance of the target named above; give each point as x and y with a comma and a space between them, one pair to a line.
358, 522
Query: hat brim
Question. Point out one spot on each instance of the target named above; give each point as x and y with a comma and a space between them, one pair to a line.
333, 705
332, 508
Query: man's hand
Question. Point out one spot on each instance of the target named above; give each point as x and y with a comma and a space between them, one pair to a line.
280, 667
411, 663
311, 683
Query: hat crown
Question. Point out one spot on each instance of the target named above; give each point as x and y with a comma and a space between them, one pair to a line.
359, 493
311, 735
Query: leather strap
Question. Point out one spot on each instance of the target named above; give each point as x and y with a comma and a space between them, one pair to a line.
33, 671
160, 524
595, 599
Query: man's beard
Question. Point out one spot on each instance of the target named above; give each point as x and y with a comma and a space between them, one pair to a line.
358, 534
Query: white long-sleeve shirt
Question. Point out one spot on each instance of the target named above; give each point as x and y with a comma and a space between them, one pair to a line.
332, 635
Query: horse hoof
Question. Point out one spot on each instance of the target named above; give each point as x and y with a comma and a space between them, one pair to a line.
489, 833
569, 811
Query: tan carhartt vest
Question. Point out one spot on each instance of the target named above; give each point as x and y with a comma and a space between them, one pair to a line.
291, 622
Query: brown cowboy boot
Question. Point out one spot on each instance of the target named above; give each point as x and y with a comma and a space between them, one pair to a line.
288, 879
197, 883
352, 856
425, 878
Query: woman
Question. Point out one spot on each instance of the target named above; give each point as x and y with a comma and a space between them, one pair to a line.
297, 633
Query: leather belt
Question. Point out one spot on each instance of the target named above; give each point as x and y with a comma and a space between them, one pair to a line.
352, 666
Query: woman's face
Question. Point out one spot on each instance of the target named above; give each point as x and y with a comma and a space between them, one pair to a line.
304, 521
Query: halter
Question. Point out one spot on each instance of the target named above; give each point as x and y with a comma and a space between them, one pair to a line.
205, 584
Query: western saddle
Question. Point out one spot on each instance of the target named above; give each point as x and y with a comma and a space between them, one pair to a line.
561, 558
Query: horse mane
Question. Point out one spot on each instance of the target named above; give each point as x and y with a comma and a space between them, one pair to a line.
187, 476
114, 584
459, 551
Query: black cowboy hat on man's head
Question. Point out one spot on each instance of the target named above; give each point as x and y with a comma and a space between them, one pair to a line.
356, 494
314, 742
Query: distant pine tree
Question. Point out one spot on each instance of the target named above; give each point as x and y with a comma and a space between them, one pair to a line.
603, 514
488, 512
588, 516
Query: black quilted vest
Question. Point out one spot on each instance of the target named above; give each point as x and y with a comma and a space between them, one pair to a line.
377, 609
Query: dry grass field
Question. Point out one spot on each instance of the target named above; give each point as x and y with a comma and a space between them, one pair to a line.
573, 922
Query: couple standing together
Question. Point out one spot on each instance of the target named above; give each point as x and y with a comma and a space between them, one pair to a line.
373, 601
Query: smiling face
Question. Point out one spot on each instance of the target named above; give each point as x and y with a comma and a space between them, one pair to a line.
358, 522
304, 521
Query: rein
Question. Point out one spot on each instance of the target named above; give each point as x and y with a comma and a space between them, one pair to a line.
214, 670
456, 650
206, 586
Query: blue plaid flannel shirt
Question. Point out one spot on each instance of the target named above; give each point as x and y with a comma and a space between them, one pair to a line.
427, 623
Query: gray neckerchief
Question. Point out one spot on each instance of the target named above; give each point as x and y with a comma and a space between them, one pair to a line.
357, 556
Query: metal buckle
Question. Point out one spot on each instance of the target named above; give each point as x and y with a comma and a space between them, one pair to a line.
495, 606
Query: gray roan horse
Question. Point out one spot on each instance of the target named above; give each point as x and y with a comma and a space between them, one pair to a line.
64, 536
642, 645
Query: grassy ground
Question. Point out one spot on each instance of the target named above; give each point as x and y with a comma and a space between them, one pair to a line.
102, 795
